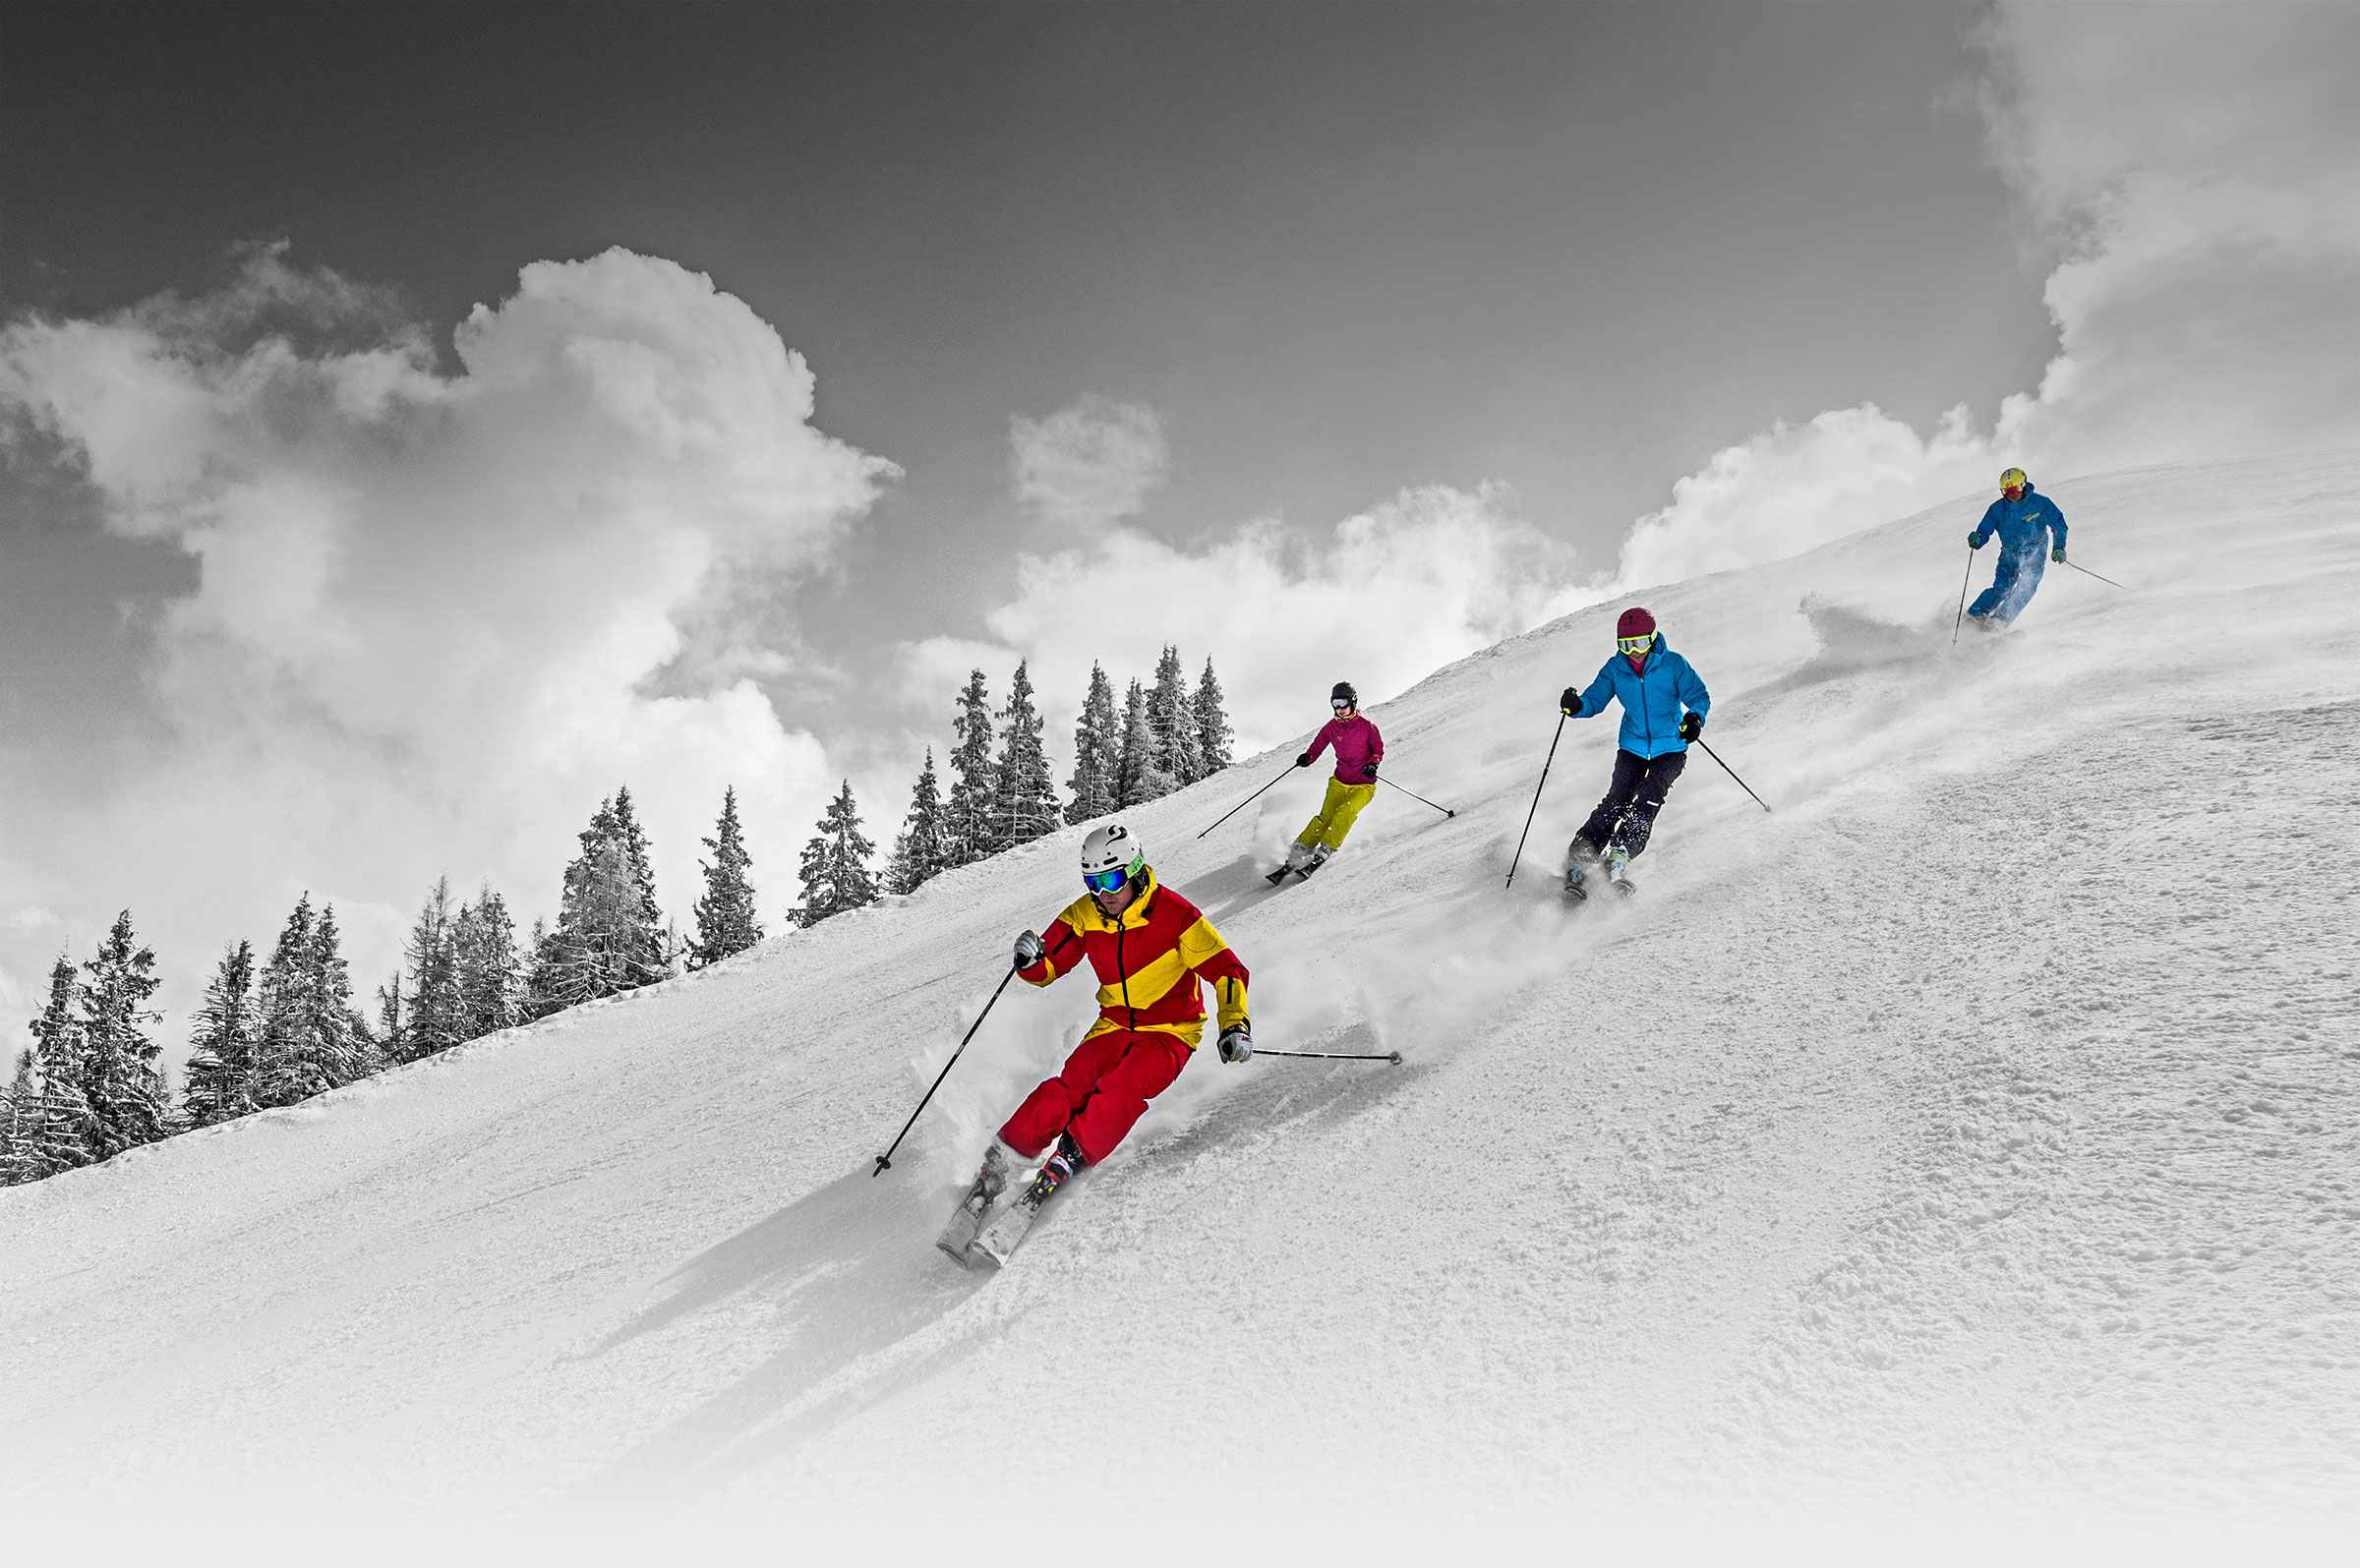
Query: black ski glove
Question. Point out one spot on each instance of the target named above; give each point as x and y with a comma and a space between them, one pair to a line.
1571, 703
1302, 761
1371, 771
1028, 951
1691, 727
1236, 1044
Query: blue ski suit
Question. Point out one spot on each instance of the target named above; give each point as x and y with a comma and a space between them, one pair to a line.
1652, 699
2024, 526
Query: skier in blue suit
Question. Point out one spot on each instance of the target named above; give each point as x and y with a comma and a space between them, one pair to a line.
1655, 685
2026, 522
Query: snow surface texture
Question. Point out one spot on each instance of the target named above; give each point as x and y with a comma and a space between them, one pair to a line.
1967, 1147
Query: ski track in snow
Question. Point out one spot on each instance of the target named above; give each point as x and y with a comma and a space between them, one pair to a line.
1972, 1142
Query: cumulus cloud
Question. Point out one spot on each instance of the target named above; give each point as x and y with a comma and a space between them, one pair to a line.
2196, 165
1428, 577
1088, 465
432, 607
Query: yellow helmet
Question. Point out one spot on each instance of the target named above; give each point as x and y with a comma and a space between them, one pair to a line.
2015, 479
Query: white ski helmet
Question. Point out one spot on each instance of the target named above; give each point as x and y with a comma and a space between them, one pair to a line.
1113, 847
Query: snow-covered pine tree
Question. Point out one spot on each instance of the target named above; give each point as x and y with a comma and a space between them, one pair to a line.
1214, 737
119, 1077
1174, 721
392, 1023
490, 974
644, 955
726, 922
610, 934
1098, 752
1025, 801
835, 865
63, 1134
969, 824
312, 1039
921, 852
436, 1018
221, 1081
1139, 775
19, 1122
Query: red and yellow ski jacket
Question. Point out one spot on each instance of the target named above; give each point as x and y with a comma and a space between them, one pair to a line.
1149, 960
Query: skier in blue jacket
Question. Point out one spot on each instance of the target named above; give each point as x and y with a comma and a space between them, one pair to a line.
1654, 685
2026, 522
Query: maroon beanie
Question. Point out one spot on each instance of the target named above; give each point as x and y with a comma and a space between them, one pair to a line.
1635, 622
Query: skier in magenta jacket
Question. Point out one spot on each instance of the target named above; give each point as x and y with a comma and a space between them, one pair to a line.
1359, 748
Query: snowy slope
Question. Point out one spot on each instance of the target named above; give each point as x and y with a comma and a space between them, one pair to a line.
1970, 1142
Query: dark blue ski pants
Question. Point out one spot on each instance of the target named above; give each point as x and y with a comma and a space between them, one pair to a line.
1625, 817
2012, 584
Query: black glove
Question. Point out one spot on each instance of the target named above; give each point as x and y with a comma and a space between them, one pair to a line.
1302, 761
1028, 951
1237, 1044
1975, 541
1691, 727
1371, 771
1571, 703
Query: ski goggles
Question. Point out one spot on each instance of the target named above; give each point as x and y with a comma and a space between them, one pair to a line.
1634, 646
1341, 705
1111, 878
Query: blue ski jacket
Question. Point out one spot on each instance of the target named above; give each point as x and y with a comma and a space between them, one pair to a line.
2021, 522
1652, 699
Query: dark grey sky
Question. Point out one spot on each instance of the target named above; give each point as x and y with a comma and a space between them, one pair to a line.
1341, 249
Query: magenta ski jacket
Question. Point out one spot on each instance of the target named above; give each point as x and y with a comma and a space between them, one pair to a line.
1357, 745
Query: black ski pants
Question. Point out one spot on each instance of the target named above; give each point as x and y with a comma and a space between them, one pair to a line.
1627, 815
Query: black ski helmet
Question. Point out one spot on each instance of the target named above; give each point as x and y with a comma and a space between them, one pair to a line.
1343, 692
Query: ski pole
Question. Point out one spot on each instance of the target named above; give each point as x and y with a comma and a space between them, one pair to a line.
1733, 773
2086, 572
1536, 798
1962, 621
1248, 800
1419, 798
1393, 1056
885, 1160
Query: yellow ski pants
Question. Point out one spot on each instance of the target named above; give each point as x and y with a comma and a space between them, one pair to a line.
1336, 813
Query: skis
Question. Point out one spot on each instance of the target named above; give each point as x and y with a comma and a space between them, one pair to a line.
967, 1220
1000, 1235
1302, 872
984, 1230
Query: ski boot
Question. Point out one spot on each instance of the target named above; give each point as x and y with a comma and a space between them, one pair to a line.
1008, 1227
967, 1218
1318, 858
1617, 872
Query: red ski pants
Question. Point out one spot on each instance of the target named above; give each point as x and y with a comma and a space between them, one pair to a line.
1103, 1088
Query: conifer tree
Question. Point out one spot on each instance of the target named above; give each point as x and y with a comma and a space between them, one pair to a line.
62, 1132
119, 1075
610, 933
222, 1079
311, 1040
1098, 753
1173, 720
921, 852
19, 1124
835, 865
726, 922
1025, 800
971, 831
435, 1019
490, 974
1214, 737
1139, 775
393, 1023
